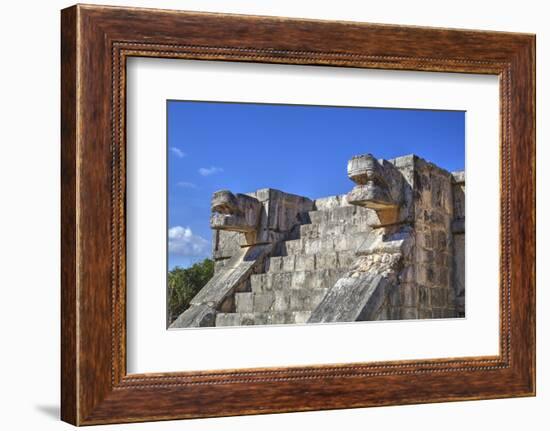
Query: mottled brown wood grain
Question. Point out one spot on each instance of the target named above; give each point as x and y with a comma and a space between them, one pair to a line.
95, 42
68, 217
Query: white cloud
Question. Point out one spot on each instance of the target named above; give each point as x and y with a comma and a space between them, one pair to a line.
178, 152
182, 242
210, 171
187, 185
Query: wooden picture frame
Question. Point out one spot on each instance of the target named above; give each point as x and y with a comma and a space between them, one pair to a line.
95, 43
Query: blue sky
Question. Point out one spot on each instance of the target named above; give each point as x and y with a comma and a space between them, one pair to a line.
295, 148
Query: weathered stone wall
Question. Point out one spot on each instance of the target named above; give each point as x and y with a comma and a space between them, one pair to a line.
281, 213
392, 248
433, 255
431, 269
431, 282
458, 229
301, 268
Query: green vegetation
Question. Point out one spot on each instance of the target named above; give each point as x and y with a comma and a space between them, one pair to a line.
184, 284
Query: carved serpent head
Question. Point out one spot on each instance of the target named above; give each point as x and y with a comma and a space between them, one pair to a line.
379, 186
239, 213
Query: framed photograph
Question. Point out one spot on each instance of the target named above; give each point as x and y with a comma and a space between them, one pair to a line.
266, 215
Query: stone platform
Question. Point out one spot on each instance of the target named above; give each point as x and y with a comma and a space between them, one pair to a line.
391, 248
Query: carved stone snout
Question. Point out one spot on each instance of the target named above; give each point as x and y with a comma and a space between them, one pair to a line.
379, 186
239, 213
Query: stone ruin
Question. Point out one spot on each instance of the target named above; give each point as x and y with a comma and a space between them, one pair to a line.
390, 249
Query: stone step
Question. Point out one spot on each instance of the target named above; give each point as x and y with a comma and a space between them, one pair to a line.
271, 318
316, 279
332, 215
345, 214
305, 262
316, 230
331, 202
345, 242
280, 300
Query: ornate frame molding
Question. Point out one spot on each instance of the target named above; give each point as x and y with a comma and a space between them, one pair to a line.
96, 41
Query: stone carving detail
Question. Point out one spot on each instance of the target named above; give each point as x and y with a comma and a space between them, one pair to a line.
392, 248
237, 213
379, 186
361, 293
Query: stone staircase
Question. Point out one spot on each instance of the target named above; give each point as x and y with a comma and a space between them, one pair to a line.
297, 276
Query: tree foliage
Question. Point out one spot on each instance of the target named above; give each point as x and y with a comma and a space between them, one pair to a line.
184, 284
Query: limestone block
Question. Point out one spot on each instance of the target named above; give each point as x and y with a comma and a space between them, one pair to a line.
424, 239
195, 316
330, 229
322, 279
263, 302
459, 199
288, 263
442, 313
407, 275
280, 280
312, 246
345, 242
306, 279
341, 214
330, 202
244, 302
438, 297
408, 295
354, 228
301, 317
316, 279
312, 301
283, 318
409, 313
393, 313
297, 301
282, 300
318, 217
326, 260
248, 319
305, 262
226, 243
424, 255
404, 161
294, 247
325, 245
299, 279
310, 231
444, 276
228, 319
365, 218
443, 240
393, 299
425, 313
345, 258
284, 210
424, 274
442, 258
459, 272
274, 264
260, 282
219, 264
424, 296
